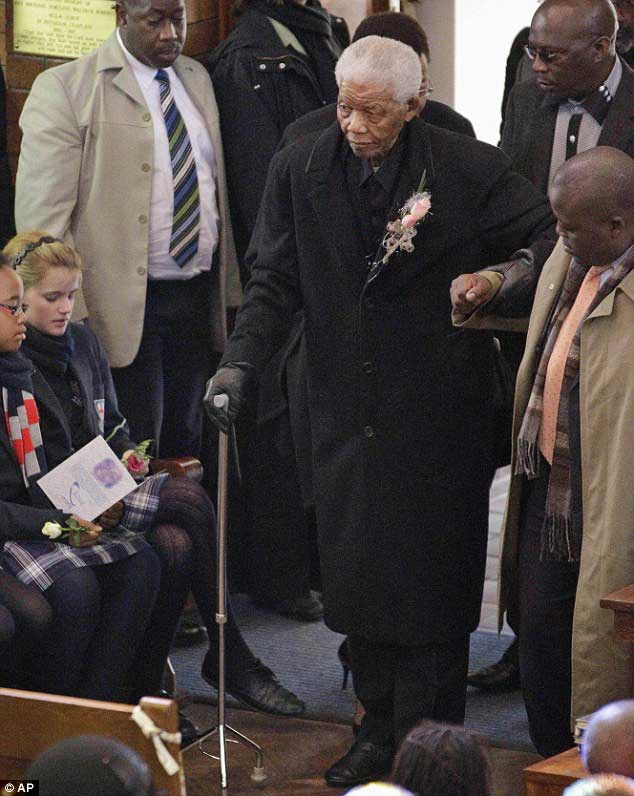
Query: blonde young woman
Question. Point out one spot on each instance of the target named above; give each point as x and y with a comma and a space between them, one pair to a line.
178, 520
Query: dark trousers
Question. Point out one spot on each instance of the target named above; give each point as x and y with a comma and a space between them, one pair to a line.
161, 392
100, 617
400, 686
546, 602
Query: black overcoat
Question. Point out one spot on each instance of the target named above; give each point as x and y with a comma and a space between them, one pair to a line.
400, 401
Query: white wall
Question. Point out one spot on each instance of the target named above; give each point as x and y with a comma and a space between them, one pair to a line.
353, 11
438, 19
470, 41
485, 30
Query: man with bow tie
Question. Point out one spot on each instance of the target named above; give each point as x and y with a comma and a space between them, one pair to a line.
582, 95
401, 406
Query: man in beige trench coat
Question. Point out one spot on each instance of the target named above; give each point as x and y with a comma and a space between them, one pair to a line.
568, 536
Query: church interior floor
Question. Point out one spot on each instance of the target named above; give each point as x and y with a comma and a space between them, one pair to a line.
297, 752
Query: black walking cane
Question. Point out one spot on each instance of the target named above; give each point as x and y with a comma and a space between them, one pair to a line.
222, 728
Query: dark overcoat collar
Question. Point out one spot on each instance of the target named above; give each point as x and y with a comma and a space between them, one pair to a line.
329, 195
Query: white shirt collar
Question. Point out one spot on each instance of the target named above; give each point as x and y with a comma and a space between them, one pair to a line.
144, 74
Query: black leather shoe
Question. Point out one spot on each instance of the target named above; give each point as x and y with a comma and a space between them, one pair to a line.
190, 632
501, 676
306, 608
255, 686
364, 762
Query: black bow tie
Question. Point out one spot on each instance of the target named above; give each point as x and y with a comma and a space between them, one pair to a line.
596, 104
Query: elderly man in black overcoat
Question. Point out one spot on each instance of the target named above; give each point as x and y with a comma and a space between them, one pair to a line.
401, 404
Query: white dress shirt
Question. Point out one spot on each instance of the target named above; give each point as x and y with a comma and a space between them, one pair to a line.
589, 129
161, 264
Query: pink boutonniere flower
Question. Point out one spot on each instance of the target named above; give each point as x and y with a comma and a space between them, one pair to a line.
401, 232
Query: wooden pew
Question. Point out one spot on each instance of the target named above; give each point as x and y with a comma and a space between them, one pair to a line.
32, 722
551, 776
622, 603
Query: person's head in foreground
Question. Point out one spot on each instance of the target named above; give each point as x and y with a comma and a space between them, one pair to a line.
608, 743
602, 785
441, 760
379, 81
378, 789
51, 273
12, 328
91, 765
592, 195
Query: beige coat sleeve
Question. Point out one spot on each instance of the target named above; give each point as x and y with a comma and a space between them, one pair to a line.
50, 160
481, 317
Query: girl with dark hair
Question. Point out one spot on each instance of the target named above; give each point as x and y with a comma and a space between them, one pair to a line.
441, 760
101, 594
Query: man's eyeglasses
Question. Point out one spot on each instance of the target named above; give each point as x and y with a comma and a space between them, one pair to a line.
546, 56
550, 57
426, 88
13, 309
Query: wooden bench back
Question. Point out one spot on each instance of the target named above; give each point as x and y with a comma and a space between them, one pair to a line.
31, 722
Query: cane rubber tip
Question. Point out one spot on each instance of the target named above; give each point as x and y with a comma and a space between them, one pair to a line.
258, 774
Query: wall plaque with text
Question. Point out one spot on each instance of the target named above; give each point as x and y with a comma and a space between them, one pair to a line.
61, 28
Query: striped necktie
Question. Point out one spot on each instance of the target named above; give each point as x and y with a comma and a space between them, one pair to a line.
186, 219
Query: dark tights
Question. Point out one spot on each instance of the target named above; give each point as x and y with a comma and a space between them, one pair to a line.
184, 538
100, 614
25, 622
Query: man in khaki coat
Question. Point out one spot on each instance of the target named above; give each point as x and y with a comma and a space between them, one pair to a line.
568, 534
96, 169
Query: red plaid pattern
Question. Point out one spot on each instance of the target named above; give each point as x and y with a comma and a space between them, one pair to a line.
23, 425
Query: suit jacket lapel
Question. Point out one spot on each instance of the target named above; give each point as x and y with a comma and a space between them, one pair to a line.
540, 144
194, 82
618, 128
46, 399
112, 57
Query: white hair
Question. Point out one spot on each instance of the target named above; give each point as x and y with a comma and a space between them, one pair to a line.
379, 61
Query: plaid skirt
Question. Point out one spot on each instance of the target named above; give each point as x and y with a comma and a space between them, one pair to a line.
42, 562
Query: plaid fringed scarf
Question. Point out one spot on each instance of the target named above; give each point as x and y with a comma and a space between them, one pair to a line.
21, 415
23, 424
561, 539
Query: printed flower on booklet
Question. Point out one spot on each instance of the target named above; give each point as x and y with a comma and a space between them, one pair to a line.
137, 460
401, 232
74, 532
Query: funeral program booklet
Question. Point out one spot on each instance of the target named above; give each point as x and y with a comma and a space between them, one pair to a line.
88, 482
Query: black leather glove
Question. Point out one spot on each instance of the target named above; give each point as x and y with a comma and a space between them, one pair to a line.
232, 380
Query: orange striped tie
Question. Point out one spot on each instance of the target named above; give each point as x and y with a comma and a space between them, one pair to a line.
557, 362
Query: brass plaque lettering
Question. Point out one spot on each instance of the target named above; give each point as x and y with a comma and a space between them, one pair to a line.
61, 28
